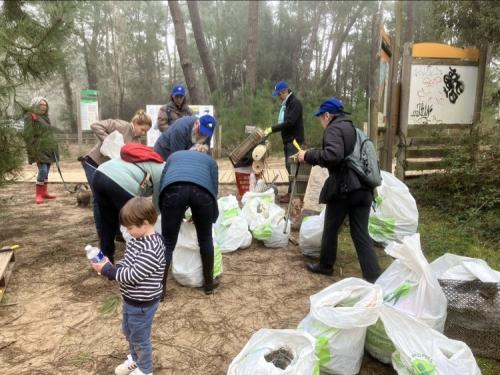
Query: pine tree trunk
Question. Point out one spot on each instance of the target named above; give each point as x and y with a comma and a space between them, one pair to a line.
325, 78
208, 66
68, 98
182, 49
252, 42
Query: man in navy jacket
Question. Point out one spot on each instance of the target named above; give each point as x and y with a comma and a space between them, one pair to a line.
290, 124
184, 133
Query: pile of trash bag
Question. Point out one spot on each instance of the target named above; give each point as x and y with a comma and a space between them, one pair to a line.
266, 219
410, 287
395, 213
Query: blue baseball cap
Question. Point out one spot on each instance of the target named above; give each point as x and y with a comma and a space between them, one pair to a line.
207, 125
331, 105
280, 86
178, 90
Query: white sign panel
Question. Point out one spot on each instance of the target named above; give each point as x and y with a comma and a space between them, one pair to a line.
89, 113
153, 109
442, 94
153, 133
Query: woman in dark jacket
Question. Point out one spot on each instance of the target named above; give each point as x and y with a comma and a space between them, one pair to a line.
41, 145
343, 192
190, 179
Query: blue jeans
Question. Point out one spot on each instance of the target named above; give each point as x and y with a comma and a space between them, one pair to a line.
136, 326
43, 173
89, 173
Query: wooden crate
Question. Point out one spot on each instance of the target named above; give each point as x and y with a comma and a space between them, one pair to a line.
7, 261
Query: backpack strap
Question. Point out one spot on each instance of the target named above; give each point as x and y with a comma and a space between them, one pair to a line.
146, 182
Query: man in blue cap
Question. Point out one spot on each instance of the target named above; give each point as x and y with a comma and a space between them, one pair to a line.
184, 133
343, 192
175, 109
290, 124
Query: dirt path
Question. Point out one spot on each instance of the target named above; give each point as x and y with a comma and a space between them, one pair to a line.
51, 318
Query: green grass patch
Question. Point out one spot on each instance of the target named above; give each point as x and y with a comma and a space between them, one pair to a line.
110, 306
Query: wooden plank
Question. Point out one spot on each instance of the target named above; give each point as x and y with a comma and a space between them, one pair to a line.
427, 152
416, 165
440, 51
7, 261
428, 141
437, 129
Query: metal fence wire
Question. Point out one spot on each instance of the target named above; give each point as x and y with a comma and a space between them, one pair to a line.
474, 315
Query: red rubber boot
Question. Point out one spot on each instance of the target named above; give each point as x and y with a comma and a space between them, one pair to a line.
39, 193
46, 194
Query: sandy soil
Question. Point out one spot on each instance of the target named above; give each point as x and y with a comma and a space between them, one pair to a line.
52, 319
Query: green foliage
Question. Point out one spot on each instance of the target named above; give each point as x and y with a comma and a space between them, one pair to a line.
11, 157
468, 187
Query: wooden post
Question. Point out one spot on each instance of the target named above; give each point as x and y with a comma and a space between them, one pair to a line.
476, 118
375, 75
392, 124
403, 112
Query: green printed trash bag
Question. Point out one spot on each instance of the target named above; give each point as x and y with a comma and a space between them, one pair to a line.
276, 352
231, 229
395, 212
266, 219
310, 234
338, 319
421, 350
187, 268
409, 286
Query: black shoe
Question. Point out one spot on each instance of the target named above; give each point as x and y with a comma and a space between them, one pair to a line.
209, 289
319, 268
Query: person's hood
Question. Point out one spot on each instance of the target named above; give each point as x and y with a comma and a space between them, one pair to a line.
35, 102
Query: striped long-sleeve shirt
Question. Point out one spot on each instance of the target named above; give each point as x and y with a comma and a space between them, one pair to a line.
140, 272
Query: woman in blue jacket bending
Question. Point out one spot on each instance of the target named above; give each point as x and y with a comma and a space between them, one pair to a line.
190, 179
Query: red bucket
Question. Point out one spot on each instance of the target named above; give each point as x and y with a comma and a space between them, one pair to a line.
242, 179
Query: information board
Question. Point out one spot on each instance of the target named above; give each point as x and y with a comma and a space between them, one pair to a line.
442, 94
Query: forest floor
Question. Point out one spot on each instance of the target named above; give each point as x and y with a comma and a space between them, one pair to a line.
59, 317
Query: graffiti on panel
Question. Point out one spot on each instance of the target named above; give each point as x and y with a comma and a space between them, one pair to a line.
438, 94
422, 112
453, 87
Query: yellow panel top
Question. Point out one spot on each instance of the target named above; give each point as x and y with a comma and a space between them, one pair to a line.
444, 51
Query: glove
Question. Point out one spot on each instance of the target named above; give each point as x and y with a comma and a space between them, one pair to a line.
268, 131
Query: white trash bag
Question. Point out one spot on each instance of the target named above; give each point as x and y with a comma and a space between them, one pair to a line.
420, 350
266, 219
112, 144
276, 352
395, 214
233, 235
409, 286
310, 234
338, 320
187, 268
456, 267
231, 229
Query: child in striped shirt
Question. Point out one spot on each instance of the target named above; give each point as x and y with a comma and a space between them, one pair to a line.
140, 275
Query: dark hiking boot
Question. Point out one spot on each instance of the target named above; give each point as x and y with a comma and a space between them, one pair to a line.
319, 268
215, 285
